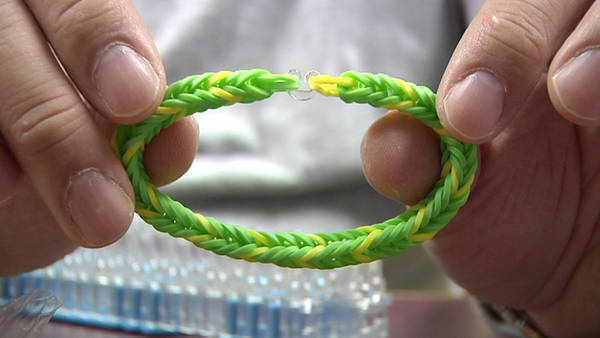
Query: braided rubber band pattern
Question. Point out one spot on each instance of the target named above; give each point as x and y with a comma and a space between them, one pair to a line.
293, 249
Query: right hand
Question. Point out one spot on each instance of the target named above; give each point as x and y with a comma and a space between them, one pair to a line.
529, 235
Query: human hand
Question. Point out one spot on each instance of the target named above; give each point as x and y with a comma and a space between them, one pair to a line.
60, 183
522, 84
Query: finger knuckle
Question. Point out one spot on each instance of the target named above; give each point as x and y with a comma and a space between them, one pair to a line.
523, 30
9, 17
83, 21
46, 127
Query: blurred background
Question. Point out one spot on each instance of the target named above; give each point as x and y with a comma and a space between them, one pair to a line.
277, 165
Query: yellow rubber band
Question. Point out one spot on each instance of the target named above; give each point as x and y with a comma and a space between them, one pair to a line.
148, 213
333, 80
415, 207
114, 145
441, 131
198, 238
169, 110
407, 89
152, 195
454, 180
368, 240
400, 105
465, 188
260, 239
216, 77
418, 220
328, 85
317, 239
421, 237
446, 168
363, 258
206, 224
309, 255
131, 151
260, 250
366, 228
225, 95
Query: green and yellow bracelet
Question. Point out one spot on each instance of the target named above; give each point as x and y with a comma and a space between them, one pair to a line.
294, 249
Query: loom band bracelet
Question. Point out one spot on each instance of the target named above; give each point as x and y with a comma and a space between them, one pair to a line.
294, 249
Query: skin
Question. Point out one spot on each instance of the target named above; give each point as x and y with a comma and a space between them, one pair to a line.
54, 146
522, 84
528, 236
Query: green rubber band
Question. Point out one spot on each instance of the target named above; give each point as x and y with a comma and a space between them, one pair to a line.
292, 249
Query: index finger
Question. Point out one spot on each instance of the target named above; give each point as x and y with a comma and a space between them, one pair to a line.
499, 61
108, 52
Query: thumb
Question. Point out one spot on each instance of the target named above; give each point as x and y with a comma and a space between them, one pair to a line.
401, 157
500, 59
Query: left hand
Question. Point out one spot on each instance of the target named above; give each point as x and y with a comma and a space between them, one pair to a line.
71, 71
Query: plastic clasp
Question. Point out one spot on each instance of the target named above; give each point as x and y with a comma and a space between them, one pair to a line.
304, 93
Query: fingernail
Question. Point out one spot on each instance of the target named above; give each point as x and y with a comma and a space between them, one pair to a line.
100, 209
474, 105
577, 85
125, 80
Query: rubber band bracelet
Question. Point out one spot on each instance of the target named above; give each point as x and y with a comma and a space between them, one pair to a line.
293, 249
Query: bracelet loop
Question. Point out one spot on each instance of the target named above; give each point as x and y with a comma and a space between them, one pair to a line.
293, 249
